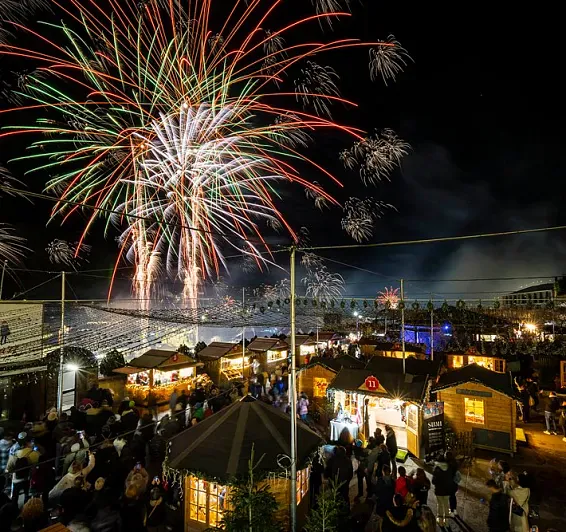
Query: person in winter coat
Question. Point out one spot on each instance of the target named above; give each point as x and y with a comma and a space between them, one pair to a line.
420, 486
403, 483
399, 517
133, 511
361, 473
19, 465
520, 493
4, 332
68, 481
339, 468
443, 481
5, 445
453, 465
156, 512
550, 412
498, 517
303, 406
384, 491
391, 442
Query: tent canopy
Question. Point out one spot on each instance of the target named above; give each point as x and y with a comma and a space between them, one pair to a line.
221, 445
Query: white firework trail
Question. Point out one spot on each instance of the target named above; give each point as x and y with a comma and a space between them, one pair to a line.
320, 201
315, 87
288, 135
311, 261
376, 156
360, 217
387, 60
12, 247
10, 182
330, 7
323, 285
64, 253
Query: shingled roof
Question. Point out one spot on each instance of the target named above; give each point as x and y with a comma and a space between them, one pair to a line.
499, 382
220, 446
216, 350
267, 344
397, 385
335, 364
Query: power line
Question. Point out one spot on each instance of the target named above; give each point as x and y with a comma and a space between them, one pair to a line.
434, 240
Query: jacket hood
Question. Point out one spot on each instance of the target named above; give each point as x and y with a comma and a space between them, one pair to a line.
442, 465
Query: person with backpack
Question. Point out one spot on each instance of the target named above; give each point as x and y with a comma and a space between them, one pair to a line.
19, 465
443, 482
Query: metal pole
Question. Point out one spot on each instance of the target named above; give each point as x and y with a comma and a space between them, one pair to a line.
2, 279
243, 336
293, 402
431, 330
403, 321
61, 345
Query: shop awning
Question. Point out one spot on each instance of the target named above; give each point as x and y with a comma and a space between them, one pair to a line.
220, 446
499, 382
393, 385
217, 350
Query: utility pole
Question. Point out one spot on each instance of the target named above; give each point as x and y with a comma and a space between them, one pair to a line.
293, 402
243, 334
61, 346
2, 279
403, 321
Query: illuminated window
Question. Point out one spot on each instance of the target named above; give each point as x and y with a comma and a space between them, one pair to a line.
319, 386
207, 501
351, 403
474, 411
274, 356
457, 361
413, 418
302, 483
499, 365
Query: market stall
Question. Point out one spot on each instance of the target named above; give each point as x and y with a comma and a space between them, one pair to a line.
486, 356
223, 361
270, 352
160, 372
374, 398
483, 402
207, 471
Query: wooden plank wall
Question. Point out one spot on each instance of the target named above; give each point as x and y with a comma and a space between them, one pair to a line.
500, 411
306, 379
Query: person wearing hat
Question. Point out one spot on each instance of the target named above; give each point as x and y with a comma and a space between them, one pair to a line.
20, 443
155, 511
552, 407
19, 465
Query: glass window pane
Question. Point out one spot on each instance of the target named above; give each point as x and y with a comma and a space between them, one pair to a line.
69, 380
68, 400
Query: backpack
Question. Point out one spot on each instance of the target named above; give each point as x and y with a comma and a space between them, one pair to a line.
21, 468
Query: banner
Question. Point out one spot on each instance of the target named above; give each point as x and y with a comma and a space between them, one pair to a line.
433, 427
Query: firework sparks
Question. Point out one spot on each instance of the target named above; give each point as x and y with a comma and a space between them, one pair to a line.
315, 86
389, 298
170, 125
10, 182
387, 61
311, 261
376, 156
323, 285
320, 201
65, 253
360, 217
18, 11
330, 7
12, 248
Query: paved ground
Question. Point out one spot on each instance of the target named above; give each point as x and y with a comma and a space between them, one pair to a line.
544, 457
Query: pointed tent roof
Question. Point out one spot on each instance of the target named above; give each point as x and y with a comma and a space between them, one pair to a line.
221, 445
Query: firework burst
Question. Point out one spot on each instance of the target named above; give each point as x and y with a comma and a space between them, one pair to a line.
12, 247
176, 127
389, 298
376, 156
67, 254
320, 201
311, 261
323, 285
330, 8
360, 217
387, 61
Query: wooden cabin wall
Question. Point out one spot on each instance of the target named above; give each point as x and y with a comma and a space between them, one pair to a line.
499, 410
305, 381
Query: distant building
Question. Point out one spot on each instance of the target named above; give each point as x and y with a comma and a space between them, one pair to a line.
535, 296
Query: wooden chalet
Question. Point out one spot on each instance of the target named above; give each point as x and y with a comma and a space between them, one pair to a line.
484, 354
483, 402
271, 352
377, 347
223, 361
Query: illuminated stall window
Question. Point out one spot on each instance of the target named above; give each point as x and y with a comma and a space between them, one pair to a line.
206, 501
457, 361
351, 403
302, 483
474, 411
499, 365
274, 356
319, 387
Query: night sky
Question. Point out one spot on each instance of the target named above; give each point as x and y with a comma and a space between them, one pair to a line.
482, 107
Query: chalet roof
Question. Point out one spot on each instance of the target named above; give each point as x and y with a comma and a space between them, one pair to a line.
158, 359
267, 344
413, 366
499, 382
380, 345
327, 336
335, 364
302, 339
398, 386
216, 350
484, 349
151, 359
234, 430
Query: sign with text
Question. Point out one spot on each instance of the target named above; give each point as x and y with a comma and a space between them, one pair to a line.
371, 383
433, 427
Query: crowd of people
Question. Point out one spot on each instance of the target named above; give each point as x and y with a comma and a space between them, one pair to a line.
98, 467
